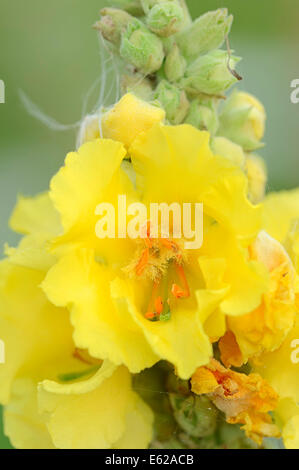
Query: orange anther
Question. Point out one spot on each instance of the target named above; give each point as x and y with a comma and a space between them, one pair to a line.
177, 291
158, 305
150, 315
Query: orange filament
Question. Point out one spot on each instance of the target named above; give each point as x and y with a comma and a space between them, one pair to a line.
177, 291
142, 263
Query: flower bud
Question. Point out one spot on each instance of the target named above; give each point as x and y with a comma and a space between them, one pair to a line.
175, 65
131, 6
165, 18
139, 86
173, 100
206, 33
243, 120
112, 24
128, 118
257, 177
141, 48
196, 415
228, 149
210, 74
203, 115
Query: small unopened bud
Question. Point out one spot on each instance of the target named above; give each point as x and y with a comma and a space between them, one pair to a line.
196, 415
228, 149
165, 18
175, 65
131, 6
173, 100
210, 74
243, 120
112, 24
141, 48
206, 33
203, 115
257, 177
128, 118
139, 86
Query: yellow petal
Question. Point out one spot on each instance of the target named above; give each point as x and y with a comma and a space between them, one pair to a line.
81, 283
279, 210
97, 418
35, 215
33, 330
128, 118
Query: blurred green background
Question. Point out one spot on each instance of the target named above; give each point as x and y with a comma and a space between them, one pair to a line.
49, 51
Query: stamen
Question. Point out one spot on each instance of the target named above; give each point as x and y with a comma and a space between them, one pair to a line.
176, 290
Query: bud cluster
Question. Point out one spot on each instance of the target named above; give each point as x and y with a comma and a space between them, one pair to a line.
177, 63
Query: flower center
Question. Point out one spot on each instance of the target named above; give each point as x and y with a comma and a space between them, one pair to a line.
161, 260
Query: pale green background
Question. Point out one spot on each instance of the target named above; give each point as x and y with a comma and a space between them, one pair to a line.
49, 50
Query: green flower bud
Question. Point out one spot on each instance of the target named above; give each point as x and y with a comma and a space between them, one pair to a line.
196, 415
131, 6
139, 86
175, 65
203, 115
173, 100
206, 33
165, 19
141, 48
228, 149
210, 74
112, 24
177, 385
243, 120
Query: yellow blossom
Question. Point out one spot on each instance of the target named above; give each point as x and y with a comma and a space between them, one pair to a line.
45, 375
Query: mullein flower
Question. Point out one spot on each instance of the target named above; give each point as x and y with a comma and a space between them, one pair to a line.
47, 379
141, 48
243, 120
115, 285
209, 74
208, 32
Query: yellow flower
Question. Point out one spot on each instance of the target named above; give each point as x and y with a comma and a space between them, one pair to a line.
280, 367
265, 328
46, 381
114, 287
245, 399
